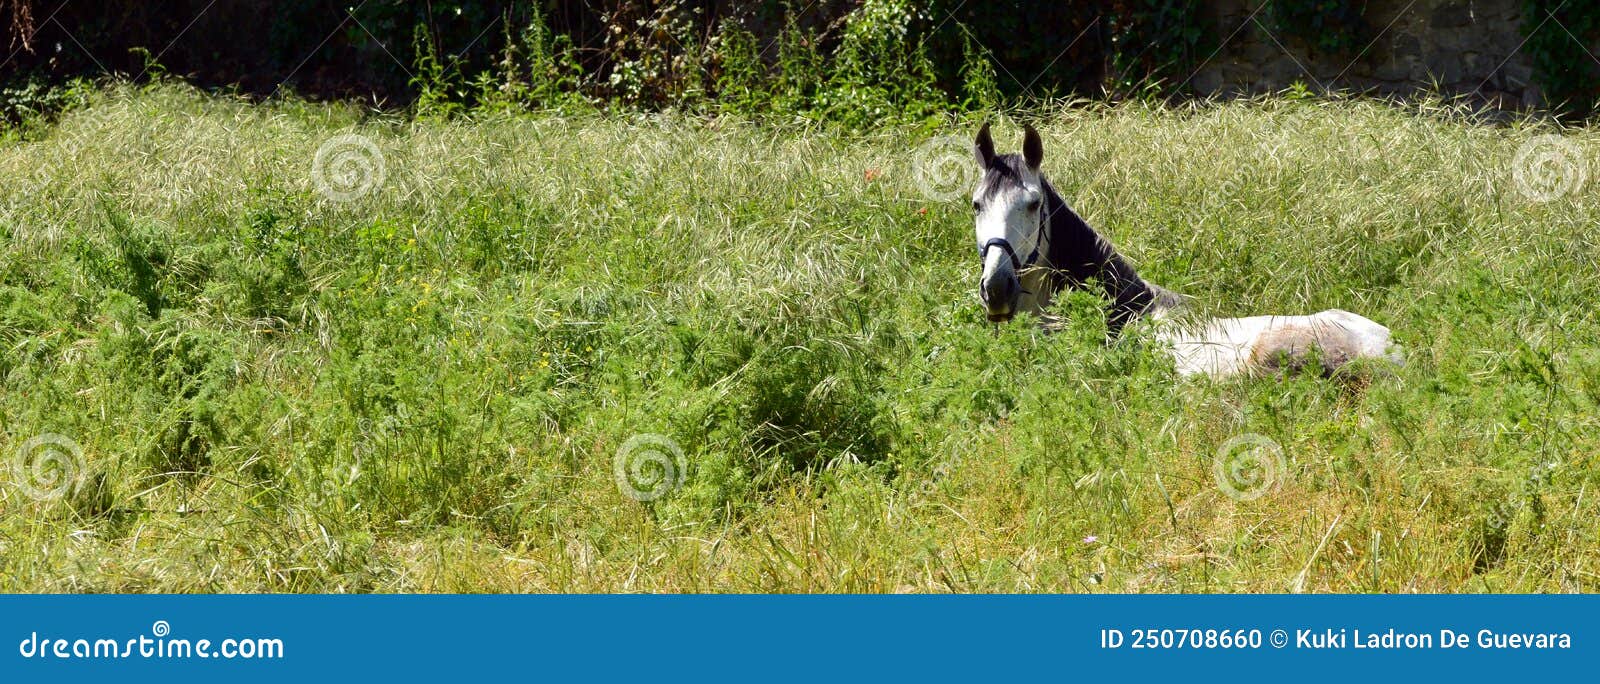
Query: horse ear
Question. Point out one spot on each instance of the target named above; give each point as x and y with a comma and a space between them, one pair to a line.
983, 147
1032, 148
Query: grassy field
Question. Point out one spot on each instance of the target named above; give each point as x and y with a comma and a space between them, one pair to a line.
229, 365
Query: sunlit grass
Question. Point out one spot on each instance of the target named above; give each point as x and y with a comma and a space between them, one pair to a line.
424, 389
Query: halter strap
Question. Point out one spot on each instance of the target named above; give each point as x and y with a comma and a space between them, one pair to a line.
1004, 244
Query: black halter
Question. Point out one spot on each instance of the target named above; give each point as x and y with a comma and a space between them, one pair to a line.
1004, 244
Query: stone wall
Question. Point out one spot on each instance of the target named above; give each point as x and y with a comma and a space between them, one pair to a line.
1462, 47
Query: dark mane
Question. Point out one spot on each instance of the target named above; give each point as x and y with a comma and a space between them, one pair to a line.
1079, 255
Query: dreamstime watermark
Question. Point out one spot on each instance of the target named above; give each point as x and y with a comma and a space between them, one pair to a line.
156, 645
48, 467
649, 466
1548, 168
328, 488
1248, 466
944, 168
347, 167
941, 472
1504, 513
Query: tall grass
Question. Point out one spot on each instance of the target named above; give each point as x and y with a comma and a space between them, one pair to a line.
426, 388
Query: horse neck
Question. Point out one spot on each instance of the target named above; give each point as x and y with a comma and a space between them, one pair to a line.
1077, 254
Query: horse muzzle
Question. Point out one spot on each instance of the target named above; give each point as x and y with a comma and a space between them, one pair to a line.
1000, 292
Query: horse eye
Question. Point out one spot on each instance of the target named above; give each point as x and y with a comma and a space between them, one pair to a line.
1033, 205
976, 206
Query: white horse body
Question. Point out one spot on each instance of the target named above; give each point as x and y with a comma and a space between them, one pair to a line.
1230, 346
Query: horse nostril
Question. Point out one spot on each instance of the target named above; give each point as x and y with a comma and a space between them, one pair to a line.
1000, 289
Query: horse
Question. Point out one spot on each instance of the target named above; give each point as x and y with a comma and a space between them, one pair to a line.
1033, 245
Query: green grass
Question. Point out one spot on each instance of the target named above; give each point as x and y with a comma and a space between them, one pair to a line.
425, 389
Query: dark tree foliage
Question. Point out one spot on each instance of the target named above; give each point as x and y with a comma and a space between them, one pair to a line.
1563, 64
662, 53
321, 48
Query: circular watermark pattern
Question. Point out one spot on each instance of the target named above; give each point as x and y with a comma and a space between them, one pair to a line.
161, 628
328, 488
347, 167
324, 491
649, 466
941, 473
944, 168
1548, 168
48, 466
1248, 466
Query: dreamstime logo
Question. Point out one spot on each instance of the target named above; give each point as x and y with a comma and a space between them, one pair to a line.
347, 167
328, 489
48, 466
1231, 188
649, 466
941, 472
1248, 466
1503, 514
1548, 168
322, 492
158, 644
944, 168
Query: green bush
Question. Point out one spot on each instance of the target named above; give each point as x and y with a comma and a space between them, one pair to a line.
880, 70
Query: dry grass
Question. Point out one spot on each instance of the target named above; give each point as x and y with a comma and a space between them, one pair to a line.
424, 389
